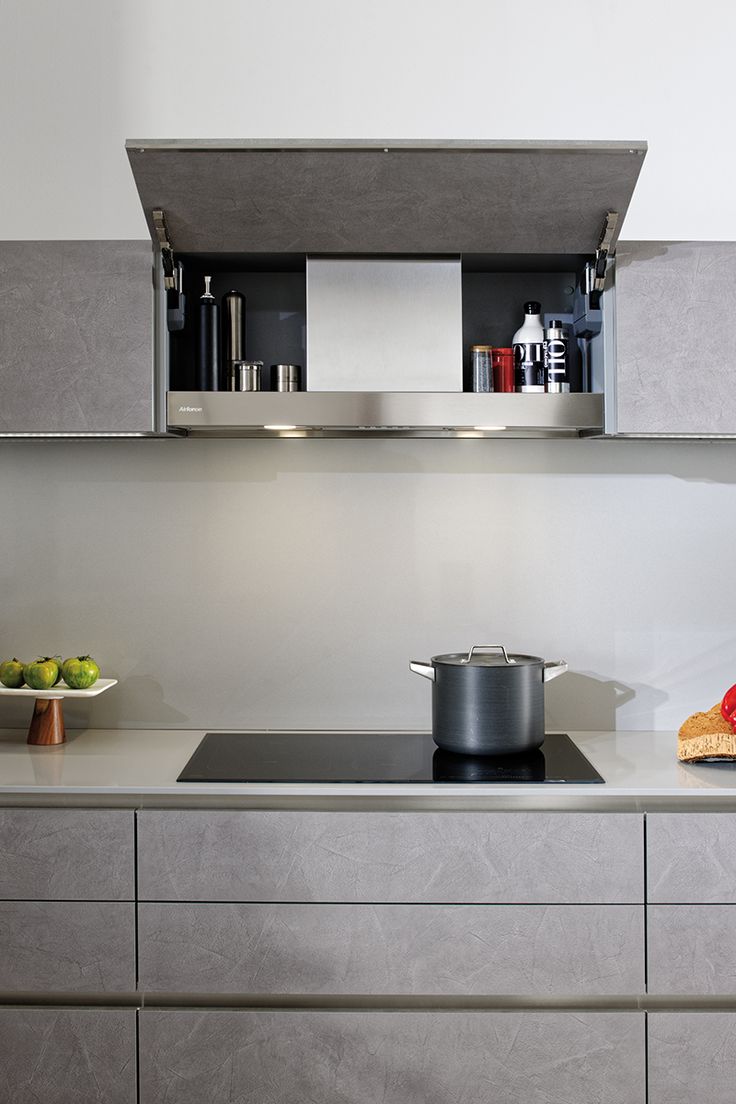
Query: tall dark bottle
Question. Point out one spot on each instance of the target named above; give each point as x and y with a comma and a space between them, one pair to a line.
208, 358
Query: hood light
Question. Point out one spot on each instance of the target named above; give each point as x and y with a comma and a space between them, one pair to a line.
279, 428
490, 429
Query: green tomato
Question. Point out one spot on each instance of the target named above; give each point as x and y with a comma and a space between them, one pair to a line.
80, 672
42, 674
11, 673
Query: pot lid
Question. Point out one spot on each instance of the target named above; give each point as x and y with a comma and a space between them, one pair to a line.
330, 196
488, 655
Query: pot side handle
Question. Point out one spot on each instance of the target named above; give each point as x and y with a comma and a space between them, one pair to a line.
553, 668
426, 670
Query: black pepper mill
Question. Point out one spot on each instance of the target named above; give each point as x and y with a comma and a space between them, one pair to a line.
208, 361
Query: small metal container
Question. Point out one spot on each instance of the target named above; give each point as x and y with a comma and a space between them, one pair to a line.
556, 358
286, 377
245, 375
481, 366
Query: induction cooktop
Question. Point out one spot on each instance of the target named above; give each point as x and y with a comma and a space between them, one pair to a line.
380, 757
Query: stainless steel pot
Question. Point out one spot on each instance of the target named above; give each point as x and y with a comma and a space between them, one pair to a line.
488, 704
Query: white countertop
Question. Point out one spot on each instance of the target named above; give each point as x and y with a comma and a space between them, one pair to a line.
136, 767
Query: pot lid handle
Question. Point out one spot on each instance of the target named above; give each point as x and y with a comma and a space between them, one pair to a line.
487, 648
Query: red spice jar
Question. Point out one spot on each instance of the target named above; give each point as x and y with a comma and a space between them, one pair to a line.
503, 369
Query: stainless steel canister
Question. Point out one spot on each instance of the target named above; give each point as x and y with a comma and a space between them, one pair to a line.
245, 375
286, 377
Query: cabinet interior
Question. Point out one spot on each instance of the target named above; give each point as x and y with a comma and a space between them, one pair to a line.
275, 314
494, 290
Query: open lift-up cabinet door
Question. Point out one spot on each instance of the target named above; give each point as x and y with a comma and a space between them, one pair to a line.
498, 207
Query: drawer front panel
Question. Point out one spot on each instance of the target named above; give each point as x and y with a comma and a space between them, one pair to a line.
392, 949
60, 1056
70, 854
385, 857
394, 1057
691, 949
67, 947
691, 858
692, 1057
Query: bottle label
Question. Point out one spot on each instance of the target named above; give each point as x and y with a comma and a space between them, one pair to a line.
555, 360
529, 366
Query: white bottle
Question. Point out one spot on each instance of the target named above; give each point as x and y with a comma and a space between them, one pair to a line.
528, 343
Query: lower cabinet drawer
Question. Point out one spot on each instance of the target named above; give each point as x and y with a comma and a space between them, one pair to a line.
67, 946
393, 1057
384, 857
67, 1056
692, 1057
691, 949
391, 949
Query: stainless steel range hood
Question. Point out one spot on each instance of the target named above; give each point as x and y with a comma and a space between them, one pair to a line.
383, 414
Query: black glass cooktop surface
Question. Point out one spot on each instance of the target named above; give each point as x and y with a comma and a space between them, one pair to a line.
356, 757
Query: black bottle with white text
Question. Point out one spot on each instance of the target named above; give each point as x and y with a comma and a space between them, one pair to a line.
528, 343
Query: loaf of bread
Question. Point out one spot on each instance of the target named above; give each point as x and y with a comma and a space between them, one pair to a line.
706, 736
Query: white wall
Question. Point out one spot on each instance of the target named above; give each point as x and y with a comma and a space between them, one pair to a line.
77, 78
318, 569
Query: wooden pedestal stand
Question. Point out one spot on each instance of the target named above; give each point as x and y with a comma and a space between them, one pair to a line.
47, 723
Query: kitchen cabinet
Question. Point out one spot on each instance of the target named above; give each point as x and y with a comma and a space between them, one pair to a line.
392, 950
521, 220
417, 857
67, 891
396, 1057
676, 347
366, 954
691, 858
67, 946
67, 854
76, 344
692, 1056
60, 1055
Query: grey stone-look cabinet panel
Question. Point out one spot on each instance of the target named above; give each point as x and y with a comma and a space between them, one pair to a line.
392, 949
692, 1057
392, 1057
67, 1056
691, 858
76, 345
691, 949
383, 857
676, 349
67, 854
67, 947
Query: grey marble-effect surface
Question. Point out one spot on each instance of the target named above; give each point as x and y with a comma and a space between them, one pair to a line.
411, 857
67, 1056
404, 201
691, 950
139, 768
525, 950
82, 854
676, 344
76, 345
392, 1057
692, 1057
691, 858
67, 946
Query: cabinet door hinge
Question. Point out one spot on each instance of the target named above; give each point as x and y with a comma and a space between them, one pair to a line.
606, 248
167, 251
